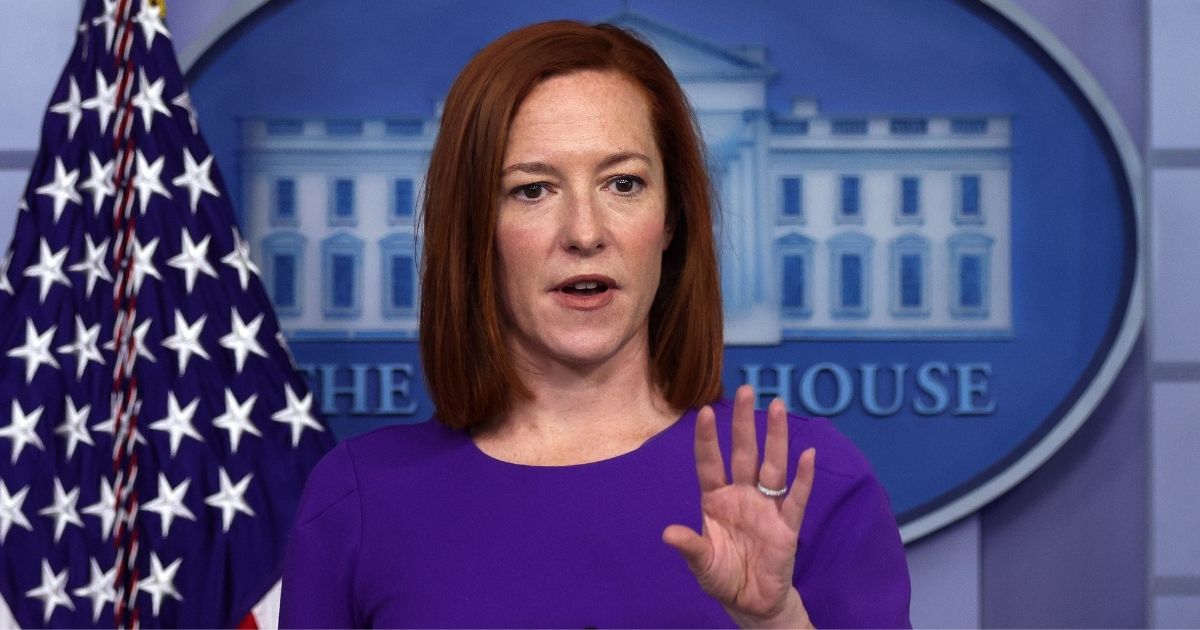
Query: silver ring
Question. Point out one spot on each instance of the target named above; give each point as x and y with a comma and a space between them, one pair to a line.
772, 492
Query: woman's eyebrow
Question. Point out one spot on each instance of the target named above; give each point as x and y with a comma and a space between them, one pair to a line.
533, 168
623, 156
541, 168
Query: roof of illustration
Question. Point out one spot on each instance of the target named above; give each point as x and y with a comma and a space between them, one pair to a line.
692, 58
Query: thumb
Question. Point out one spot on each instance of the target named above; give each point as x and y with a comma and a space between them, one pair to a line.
694, 548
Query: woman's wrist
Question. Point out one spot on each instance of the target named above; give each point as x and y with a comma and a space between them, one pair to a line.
791, 614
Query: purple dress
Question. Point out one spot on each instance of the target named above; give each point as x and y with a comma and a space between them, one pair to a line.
413, 525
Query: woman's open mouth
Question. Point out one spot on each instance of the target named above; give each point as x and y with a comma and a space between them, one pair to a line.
587, 292
585, 288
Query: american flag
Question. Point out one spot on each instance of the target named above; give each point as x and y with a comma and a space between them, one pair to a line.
154, 431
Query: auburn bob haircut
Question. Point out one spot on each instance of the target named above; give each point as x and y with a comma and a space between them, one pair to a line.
467, 366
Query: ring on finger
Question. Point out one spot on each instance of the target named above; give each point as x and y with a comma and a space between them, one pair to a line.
774, 493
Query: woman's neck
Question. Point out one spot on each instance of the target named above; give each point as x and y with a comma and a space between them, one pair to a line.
580, 414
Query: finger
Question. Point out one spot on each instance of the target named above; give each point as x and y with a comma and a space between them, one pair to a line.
744, 457
797, 499
710, 465
692, 546
773, 472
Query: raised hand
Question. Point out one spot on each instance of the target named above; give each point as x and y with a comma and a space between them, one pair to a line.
745, 553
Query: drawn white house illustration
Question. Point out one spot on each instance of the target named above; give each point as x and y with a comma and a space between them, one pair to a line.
835, 226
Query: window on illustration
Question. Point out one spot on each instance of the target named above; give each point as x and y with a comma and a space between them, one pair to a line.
284, 280
910, 281
910, 193
851, 289
344, 198
792, 205
969, 189
285, 199
850, 196
403, 286
343, 281
970, 281
404, 197
793, 283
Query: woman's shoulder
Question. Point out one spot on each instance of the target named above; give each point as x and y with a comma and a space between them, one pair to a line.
367, 459
836, 453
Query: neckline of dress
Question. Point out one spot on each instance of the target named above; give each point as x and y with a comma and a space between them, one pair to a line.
687, 418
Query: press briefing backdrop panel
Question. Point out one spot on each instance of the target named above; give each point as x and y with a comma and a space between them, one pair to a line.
782, 87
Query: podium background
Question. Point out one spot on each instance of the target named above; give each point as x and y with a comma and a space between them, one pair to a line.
1107, 532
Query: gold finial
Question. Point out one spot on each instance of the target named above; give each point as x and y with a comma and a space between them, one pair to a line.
162, 7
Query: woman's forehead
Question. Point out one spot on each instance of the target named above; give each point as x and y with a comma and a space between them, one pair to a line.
582, 112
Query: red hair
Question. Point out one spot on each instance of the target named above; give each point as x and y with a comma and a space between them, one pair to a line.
468, 370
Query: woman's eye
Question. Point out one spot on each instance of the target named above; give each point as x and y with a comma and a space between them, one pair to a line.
625, 184
530, 192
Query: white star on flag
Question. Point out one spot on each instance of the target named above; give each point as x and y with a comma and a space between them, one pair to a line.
148, 180
239, 259
139, 341
62, 188
105, 508
193, 259
94, 263
241, 340
104, 102
48, 269
161, 582
62, 509
74, 427
71, 108
100, 589
230, 499
152, 25
99, 182
22, 430
169, 503
149, 99
282, 341
297, 414
178, 422
84, 347
184, 102
186, 340
196, 178
36, 350
11, 512
52, 592
5, 284
109, 20
236, 419
143, 263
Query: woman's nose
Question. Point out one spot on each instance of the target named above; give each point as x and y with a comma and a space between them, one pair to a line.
583, 226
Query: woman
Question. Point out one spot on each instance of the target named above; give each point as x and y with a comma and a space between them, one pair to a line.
571, 338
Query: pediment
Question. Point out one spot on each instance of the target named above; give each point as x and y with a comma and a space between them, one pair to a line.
692, 58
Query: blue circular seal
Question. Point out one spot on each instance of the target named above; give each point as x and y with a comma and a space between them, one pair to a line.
931, 223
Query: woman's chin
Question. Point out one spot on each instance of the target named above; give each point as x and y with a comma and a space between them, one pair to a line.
583, 351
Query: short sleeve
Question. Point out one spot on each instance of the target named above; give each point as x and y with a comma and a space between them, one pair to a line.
322, 552
851, 569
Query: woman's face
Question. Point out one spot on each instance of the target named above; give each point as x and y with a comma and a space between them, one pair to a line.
582, 222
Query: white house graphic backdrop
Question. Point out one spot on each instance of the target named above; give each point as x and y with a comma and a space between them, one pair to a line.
839, 227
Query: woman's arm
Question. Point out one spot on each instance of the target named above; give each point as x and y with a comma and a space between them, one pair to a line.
322, 553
